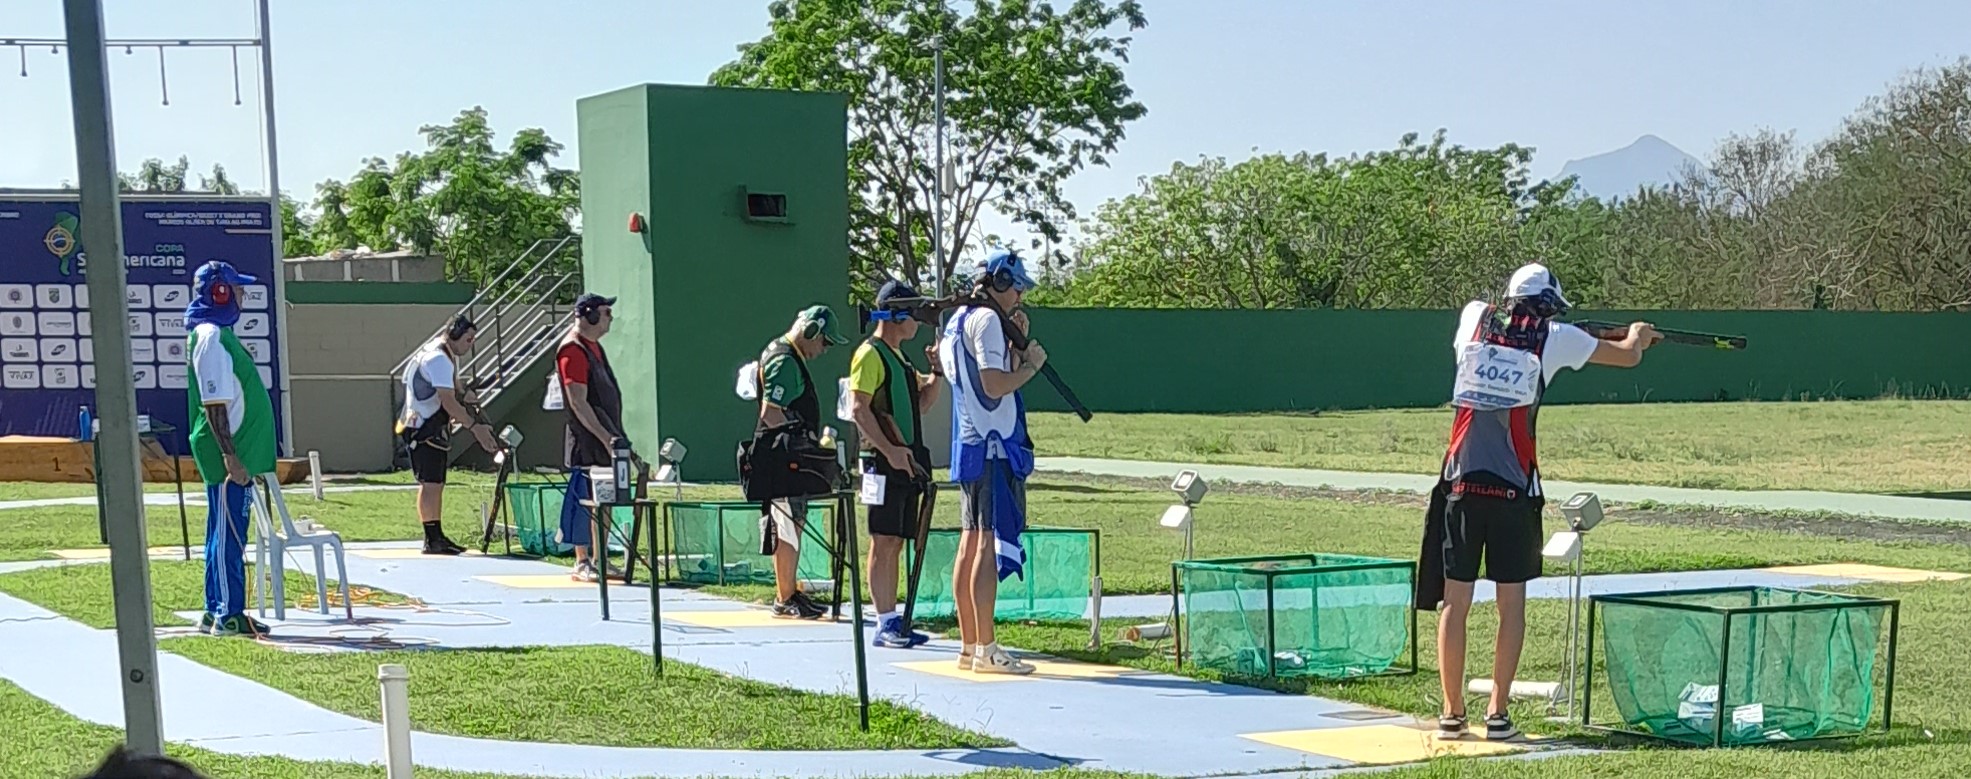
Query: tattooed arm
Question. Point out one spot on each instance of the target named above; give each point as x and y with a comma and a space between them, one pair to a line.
222, 430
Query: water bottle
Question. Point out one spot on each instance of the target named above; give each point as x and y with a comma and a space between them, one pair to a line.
88, 425
620, 459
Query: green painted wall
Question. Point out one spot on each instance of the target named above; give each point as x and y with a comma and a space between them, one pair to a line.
711, 287
1241, 361
614, 133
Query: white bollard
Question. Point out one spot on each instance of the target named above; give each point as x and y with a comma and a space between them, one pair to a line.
315, 472
395, 682
1095, 613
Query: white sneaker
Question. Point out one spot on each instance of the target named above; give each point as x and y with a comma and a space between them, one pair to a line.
995, 660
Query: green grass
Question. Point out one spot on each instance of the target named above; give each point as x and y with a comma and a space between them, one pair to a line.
377, 515
1889, 446
1136, 553
601, 695
45, 742
82, 592
579, 695
1930, 694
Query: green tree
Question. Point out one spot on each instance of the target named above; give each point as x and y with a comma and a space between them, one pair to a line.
1032, 95
155, 177
1427, 223
463, 197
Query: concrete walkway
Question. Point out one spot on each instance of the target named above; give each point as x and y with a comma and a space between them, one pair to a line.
1885, 506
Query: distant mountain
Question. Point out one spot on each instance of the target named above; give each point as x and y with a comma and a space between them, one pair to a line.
1617, 174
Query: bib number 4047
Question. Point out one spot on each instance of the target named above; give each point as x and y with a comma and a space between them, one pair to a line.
1491, 378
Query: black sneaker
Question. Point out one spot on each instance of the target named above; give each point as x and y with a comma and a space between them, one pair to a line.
1499, 727
803, 607
1451, 726
441, 545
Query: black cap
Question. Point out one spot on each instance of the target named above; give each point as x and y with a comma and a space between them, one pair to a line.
590, 301
892, 290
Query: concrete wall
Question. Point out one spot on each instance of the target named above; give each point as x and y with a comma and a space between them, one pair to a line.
340, 357
344, 392
394, 267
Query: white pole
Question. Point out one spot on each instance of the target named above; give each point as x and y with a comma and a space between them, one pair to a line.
279, 282
315, 472
395, 682
1095, 613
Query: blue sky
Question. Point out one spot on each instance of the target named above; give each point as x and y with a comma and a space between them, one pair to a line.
355, 78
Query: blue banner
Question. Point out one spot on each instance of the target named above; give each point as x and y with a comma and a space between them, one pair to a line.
47, 358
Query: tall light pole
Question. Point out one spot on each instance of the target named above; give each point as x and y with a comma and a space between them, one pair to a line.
279, 282
122, 504
937, 176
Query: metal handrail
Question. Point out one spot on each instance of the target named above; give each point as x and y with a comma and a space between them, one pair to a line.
494, 286
531, 331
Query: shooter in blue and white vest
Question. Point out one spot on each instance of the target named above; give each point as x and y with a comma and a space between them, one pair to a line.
990, 454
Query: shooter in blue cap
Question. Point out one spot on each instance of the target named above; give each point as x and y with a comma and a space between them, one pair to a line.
990, 454
232, 439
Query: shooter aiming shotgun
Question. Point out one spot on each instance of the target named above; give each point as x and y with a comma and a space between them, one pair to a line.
1610, 331
931, 309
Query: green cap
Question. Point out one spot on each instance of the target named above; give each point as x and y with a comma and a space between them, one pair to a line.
826, 317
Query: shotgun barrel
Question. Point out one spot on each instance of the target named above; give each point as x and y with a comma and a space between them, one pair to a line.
1611, 331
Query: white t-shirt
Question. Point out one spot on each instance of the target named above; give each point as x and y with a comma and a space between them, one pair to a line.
431, 370
988, 342
985, 345
1567, 346
213, 366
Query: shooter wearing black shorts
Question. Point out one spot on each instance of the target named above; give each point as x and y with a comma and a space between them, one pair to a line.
887, 397
896, 516
1487, 520
431, 448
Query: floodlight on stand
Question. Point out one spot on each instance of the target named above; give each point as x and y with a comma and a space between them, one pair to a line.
1191, 486
511, 436
1583, 512
669, 457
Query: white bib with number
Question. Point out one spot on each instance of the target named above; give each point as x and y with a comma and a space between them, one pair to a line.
1494, 378
872, 488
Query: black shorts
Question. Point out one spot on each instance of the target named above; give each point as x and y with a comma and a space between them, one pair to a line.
977, 509
897, 516
1503, 532
431, 451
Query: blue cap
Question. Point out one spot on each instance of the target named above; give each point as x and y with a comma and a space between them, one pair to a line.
1006, 260
219, 270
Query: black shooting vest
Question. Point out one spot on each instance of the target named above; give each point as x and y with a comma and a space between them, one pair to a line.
807, 406
580, 448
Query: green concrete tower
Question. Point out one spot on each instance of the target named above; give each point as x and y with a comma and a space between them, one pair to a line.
744, 198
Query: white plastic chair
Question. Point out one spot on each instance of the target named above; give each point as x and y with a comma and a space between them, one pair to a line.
270, 555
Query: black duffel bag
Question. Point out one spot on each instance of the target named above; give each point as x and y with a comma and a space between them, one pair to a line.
787, 461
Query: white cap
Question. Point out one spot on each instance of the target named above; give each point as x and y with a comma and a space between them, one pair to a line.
1532, 279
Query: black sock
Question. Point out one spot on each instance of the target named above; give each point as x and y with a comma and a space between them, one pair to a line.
433, 532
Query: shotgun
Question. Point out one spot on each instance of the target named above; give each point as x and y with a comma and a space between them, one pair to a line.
1610, 331
928, 309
